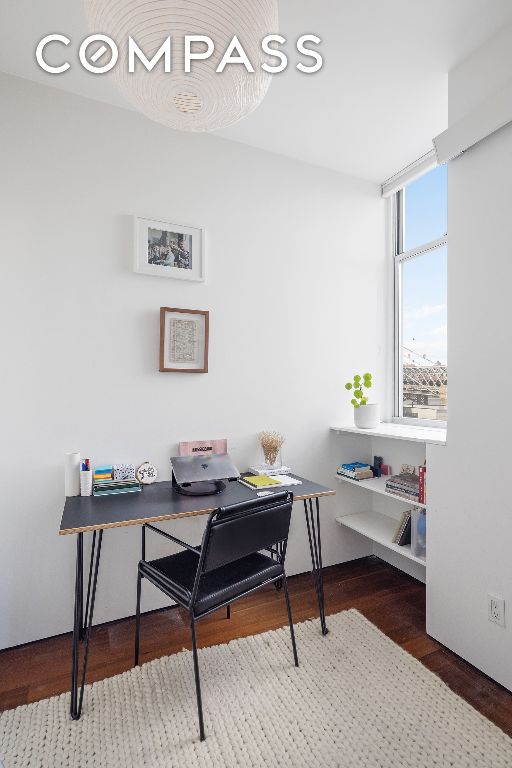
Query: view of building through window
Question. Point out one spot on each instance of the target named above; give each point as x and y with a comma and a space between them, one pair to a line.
422, 298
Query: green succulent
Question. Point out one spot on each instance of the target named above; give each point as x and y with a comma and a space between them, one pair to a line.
359, 382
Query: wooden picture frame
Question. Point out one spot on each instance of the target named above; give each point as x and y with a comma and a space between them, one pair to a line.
184, 336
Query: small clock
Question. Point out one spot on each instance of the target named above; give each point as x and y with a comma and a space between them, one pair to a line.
147, 473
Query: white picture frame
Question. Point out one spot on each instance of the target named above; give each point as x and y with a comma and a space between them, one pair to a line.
165, 249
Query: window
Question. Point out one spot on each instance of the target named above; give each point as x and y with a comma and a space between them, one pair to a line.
421, 373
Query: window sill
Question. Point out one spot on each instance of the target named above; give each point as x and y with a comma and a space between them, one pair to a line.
433, 435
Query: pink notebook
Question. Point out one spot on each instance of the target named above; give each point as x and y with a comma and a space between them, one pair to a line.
203, 447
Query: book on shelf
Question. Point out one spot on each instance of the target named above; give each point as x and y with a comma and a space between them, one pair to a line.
403, 530
354, 465
396, 535
422, 492
405, 485
356, 470
405, 479
362, 475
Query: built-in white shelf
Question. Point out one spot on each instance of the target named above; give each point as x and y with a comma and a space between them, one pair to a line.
415, 434
381, 529
378, 485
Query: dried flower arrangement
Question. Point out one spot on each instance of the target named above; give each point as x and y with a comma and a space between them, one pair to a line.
271, 443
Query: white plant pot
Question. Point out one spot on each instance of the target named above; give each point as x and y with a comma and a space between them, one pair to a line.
367, 416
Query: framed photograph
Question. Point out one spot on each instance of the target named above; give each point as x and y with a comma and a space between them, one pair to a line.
169, 250
183, 340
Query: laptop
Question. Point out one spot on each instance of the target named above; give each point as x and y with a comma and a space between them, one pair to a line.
196, 469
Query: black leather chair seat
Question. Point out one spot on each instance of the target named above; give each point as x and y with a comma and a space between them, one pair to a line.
176, 573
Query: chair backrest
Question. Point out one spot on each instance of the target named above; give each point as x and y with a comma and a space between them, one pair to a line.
241, 529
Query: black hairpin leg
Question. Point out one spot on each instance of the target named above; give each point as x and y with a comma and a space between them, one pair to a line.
196, 677
315, 548
290, 621
83, 621
279, 547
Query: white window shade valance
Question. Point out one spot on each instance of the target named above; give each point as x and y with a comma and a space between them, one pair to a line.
408, 174
491, 115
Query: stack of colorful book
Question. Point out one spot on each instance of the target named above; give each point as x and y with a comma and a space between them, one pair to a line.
355, 471
104, 484
406, 485
103, 473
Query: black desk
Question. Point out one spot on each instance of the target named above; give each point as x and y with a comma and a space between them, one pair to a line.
156, 503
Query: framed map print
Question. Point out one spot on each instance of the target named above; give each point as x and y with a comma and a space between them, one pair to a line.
183, 340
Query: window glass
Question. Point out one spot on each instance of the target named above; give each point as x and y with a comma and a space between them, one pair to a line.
425, 208
424, 335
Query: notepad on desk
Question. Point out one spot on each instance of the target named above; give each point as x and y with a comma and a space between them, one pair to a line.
262, 482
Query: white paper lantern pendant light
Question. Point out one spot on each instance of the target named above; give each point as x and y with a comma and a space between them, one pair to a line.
202, 100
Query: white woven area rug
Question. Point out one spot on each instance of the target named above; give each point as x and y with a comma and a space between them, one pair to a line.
357, 700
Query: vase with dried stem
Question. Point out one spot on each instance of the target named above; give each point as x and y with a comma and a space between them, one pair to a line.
271, 443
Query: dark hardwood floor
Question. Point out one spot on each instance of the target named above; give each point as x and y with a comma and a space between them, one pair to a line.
393, 601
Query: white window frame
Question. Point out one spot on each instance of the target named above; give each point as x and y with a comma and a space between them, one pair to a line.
399, 257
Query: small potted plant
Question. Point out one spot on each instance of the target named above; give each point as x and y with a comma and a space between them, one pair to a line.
366, 415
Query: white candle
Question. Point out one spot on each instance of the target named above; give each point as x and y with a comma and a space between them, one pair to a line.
72, 473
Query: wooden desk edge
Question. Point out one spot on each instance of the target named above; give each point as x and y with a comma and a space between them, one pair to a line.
176, 516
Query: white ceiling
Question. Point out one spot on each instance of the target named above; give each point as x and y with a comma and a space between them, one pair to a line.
373, 108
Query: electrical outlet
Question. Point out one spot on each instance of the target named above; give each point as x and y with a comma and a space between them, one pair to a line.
496, 609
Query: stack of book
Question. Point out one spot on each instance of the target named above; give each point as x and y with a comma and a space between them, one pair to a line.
262, 482
104, 485
103, 473
260, 469
355, 471
406, 485
111, 487
403, 531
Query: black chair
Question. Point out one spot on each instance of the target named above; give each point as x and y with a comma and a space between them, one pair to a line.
228, 565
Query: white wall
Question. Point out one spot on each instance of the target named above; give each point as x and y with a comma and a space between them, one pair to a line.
294, 253
470, 511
